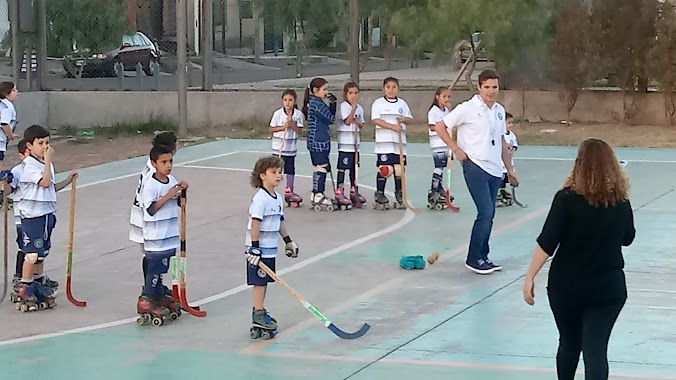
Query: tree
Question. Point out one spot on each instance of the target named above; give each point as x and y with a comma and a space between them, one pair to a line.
573, 53
91, 25
662, 58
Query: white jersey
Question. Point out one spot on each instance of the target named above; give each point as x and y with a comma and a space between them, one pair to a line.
289, 137
7, 116
347, 133
136, 215
160, 230
16, 193
36, 200
434, 116
388, 110
510, 138
268, 209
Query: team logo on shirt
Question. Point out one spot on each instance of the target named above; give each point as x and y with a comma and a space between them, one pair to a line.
499, 116
401, 111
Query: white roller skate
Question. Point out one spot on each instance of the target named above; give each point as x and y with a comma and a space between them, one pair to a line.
380, 201
504, 199
262, 325
436, 200
292, 199
319, 201
343, 202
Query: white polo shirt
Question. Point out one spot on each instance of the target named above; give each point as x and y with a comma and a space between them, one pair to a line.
480, 131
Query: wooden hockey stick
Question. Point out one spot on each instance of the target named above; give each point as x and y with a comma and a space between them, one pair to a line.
71, 232
327, 323
5, 253
403, 175
182, 264
449, 203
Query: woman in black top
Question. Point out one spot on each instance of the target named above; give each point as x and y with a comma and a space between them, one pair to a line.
589, 221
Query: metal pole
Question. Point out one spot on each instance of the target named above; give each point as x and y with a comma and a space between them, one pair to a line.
182, 66
353, 46
16, 48
224, 24
42, 44
207, 44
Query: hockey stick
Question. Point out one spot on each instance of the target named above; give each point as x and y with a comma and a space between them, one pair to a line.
403, 175
5, 253
195, 311
451, 206
71, 231
515, 200
327, 323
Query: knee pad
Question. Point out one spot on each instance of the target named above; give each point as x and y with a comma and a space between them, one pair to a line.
31, 258
386, 171
397, 170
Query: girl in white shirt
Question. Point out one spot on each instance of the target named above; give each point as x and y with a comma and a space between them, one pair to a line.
440, 108
8, 94
349, 131
286, 125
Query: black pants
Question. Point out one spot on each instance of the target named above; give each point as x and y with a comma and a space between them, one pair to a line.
584, 327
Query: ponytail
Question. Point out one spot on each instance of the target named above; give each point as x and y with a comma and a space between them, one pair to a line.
306, 100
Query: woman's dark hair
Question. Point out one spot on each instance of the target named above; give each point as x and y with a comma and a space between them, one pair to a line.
597, 174
315, 83
6, 89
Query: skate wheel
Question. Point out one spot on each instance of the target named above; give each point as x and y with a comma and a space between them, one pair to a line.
18, 306
429, 206
140, 321
24, 308
439, 207
42, 305
317, 208
254, 333
330, 208
157, 321
343, 208
265, 335
173, 316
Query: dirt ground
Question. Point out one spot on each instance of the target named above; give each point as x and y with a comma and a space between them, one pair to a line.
76, 153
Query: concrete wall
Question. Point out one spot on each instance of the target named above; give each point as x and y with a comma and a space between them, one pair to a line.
86, 109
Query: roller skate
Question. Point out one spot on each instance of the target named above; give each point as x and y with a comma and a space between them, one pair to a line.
292, 199
504, 199
263, 326
399, 202
343, 202
436, 200
51, 284
357, 199
10, 202
34, 297
380, 201
170, 303
151, 311
319, 200
14, 294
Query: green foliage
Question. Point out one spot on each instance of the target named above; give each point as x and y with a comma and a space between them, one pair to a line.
92, 24
662, 58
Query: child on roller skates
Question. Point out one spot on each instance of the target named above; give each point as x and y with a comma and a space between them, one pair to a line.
37, 209
167, 139
8, 94
389, 115
441, 106
266, 224
319, 117
159, 200
504, 198
286, 125
349, 129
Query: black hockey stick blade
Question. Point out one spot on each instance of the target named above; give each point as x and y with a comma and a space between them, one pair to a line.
346, 335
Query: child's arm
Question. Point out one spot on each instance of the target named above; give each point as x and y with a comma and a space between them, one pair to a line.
328, 113
155, 205
350, 117
59, 186
46, 179
8, 131
383, 124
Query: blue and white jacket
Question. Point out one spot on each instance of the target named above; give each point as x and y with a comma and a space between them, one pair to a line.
319, 116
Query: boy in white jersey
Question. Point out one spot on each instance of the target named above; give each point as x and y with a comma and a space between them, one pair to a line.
389, 114
266, 224
440, 108
167, 139
38, 215
504, 197
159, 200
349, 130
16, 198
286, 125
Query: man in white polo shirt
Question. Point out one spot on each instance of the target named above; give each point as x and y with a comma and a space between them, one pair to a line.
482, 150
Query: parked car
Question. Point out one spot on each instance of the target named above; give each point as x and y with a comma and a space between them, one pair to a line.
134, 49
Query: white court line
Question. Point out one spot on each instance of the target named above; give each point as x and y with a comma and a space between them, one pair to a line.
137, 173
408, 217
515, 158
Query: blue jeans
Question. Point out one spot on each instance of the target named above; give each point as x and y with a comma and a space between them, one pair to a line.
483, 188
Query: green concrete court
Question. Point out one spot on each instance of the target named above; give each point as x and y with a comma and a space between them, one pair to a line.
443, 322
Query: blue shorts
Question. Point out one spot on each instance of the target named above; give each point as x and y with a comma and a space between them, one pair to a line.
346, 160
440, 158
19, 237
289, 165
319, 158
37, 234
388, 159
2, 155
257, 276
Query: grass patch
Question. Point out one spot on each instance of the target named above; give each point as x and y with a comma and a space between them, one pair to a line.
125, 129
